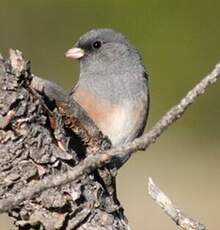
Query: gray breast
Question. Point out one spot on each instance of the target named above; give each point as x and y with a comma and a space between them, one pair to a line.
117, 88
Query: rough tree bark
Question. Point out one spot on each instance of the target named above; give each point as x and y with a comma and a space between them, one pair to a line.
42, 134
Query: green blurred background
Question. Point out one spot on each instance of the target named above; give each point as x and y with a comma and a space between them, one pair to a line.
179, 41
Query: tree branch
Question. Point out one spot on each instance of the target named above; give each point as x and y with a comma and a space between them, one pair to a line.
98, 160
182, 220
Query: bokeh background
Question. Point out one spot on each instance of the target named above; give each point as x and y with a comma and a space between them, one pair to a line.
180, 43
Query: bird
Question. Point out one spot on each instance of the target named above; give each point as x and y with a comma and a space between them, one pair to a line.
113, 85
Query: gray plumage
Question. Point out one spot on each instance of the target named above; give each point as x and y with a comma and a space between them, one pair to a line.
116, 68
112, 72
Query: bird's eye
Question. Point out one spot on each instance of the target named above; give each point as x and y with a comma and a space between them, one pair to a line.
97, 44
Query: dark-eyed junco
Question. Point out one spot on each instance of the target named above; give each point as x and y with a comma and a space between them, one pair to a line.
113, 84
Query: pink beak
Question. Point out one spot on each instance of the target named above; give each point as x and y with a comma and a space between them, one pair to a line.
75, 53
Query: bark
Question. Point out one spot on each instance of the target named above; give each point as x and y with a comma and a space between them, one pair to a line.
43, 133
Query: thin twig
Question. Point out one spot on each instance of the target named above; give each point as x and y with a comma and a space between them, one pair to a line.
97, 160
182, 220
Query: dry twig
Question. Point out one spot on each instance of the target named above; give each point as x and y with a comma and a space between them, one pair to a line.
182, 220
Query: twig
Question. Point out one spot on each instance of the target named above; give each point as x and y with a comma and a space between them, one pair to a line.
185, 222
97, 160
170, 117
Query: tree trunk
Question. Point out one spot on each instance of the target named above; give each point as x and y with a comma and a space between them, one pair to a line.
44, 133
